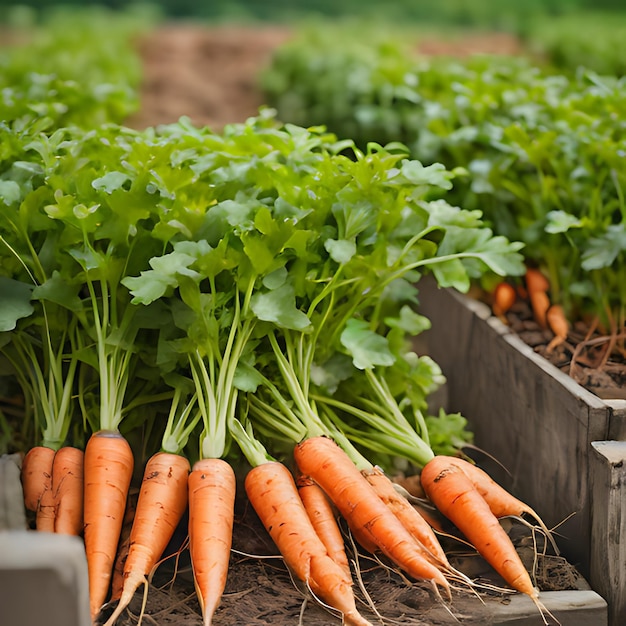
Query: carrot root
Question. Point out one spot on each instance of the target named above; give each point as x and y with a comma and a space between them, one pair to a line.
323, 460
273, 493
500, 501
456, 497
212, 487
322, 516
37, 476
504, 297
68, 490
108, 470
410, 518
160, 507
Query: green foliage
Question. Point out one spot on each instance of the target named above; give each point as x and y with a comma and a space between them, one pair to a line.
76, 68
542, 154
592, 40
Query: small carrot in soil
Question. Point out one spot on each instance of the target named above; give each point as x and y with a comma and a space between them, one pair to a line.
558, 324
323, 460
36, 475
108, 470
410, 518
273, 494
212, 488
160, 507
455, 496
322, 516
504, 297
537, 286
68, 490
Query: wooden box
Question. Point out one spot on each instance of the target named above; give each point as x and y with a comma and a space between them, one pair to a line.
534, 420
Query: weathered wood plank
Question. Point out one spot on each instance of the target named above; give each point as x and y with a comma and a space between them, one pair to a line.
12, 513
43, 580
608, 526
530, 416
617, 428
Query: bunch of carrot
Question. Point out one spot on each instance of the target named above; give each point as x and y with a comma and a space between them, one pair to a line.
247, 296
537, 291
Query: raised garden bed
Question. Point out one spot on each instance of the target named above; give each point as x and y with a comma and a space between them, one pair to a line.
261, 591
538, 424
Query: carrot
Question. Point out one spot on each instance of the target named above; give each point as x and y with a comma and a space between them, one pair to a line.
410, 518
558, 324
414, 493
363, 538
36, 475
44, 520
455, 496
212, 488
537, 286
273, 494
160, 507
500, 501
332, 469
322, 516
108, 470
67, 489
117, 579
504, 297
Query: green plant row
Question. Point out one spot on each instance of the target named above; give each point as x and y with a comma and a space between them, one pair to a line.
593, 40
79, 67
480, 13
544, 153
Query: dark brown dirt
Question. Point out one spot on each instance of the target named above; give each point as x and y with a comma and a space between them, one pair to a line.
260, 591
206, 74
594, 358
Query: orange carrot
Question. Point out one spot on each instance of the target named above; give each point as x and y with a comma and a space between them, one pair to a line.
558, 324
108, 470
537, 286
415, 494
117, 579
67, 489
45, 511
332, 469
212, 488
500, 501
410, 518
363, 538
36, 475
456, 497
504, 297
273, 494
322, 516
161, 505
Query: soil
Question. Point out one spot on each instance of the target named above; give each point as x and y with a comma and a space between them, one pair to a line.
594, 358
206, 74
260, 591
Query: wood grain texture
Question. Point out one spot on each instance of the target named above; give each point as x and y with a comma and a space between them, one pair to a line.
608, 526
534, 419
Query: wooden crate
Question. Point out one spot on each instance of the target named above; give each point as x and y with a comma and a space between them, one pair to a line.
534, 419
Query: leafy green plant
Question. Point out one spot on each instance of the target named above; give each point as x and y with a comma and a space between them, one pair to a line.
542, 151
75, 68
